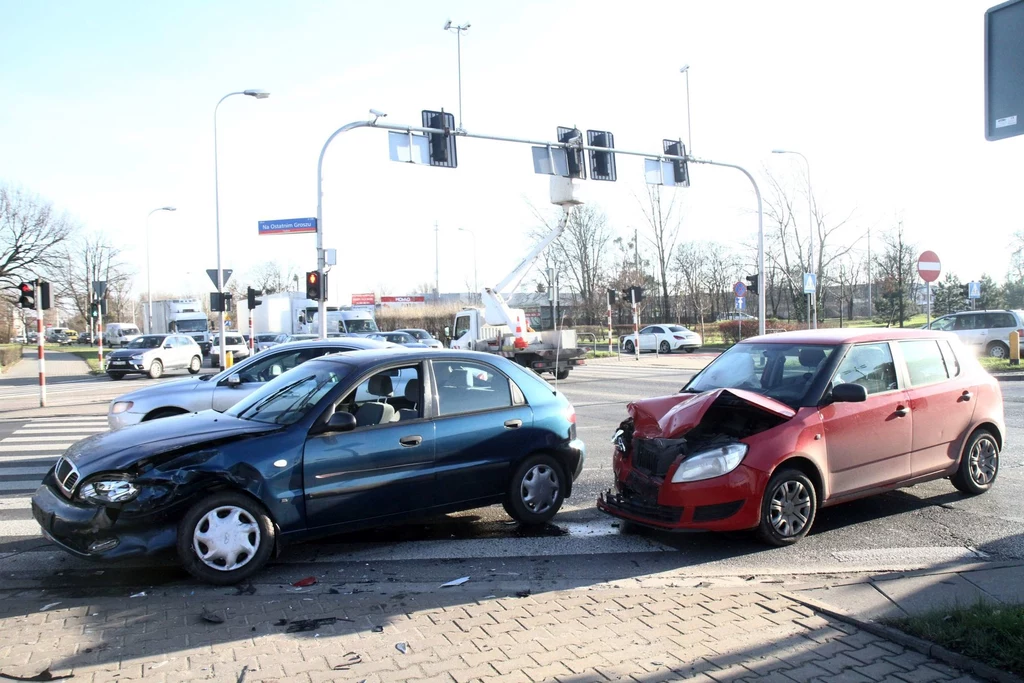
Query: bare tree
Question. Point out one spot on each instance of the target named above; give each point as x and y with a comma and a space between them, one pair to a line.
707, 270
664, 224
89, 258
270, 277
848, 274
895, 269
32, 235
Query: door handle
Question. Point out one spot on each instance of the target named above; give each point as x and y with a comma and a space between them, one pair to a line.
411, 441
513, 424
903, 411
967, 396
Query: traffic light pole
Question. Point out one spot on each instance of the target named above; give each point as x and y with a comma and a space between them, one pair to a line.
42, 350
608, 297
458, 132
636, 325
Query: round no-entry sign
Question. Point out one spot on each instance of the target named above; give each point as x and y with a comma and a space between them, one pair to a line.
928, 266
739, 289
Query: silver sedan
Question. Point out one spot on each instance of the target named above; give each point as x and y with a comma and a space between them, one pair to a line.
225, 389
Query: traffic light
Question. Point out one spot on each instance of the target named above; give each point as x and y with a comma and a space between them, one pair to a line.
602, 164
573, 155
442, 145
965, 291
636, 294
28, 295
44, 296
679, 169
250, 296
94, 310
613, 296
316, 286
220, 302
752, 283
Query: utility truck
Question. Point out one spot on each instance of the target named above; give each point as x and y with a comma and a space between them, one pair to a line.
182, 316
497, 328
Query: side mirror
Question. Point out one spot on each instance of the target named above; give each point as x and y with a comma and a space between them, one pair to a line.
340, 422
167, 346
233, 380
849, 393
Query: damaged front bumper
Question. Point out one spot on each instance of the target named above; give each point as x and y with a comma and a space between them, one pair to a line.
97, 532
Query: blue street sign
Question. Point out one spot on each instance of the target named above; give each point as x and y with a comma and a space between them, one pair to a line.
739, 289
973, 290
287, 226
810, 283
741, 303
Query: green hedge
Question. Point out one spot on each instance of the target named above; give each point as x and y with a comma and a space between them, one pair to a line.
9, 355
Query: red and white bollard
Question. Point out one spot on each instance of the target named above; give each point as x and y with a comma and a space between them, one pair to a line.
42, 352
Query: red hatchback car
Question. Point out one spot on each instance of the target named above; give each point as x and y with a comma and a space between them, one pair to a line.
780, 425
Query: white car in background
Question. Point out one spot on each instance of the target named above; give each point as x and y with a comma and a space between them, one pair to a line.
663, 339
265, 341
235, 343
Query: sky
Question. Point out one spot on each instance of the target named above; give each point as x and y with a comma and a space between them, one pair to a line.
108, 112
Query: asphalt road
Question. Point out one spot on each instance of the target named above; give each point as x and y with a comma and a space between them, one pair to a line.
928, 525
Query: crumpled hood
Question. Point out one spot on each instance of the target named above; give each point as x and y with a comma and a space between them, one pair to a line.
673, 416
120, 449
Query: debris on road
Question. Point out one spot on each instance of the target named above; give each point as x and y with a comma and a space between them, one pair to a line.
523, 594
49, 607
241, 676
455, 582
351, 659
140, 594
401, 647
377, 629
43, 675
306, 582
300, 625
247, 589
211, 617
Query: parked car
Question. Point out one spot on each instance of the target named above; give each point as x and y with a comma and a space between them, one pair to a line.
662, 338
423, 337
265, 341
403, 338
86, 339
780, 425
119, 334
309, 337
986, 332
153, 354
305, 457
235, 343
736, 316
225, 389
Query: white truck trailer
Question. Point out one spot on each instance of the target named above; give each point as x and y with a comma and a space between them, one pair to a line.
182, 316
293, 313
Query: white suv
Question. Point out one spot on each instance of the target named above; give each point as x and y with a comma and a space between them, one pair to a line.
986, 332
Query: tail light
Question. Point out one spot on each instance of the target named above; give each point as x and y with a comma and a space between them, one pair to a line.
570, 415
538, 365
679, 338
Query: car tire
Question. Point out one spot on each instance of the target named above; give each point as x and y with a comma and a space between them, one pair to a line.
788, 497
196, 365
562, 374
536, 490
979, 464
629, 348
116, 375
690, 350
997, 350
664, 347
156, 370
247, 538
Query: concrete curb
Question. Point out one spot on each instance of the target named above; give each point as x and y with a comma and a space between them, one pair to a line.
1010, 377
925, 647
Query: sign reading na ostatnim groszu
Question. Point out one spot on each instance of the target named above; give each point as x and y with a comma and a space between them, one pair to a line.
287, 226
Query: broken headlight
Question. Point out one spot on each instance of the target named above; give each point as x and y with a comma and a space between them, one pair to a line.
710, 463
109, 491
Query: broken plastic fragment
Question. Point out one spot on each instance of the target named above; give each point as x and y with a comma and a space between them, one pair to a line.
378, 629
401, 647
303, 583
211, 617
50, 606
140, 594
455, 582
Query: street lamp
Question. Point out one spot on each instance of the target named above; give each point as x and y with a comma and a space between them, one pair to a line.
259, 95
476, 284
149, 282
812, 299
689, 134
458, 31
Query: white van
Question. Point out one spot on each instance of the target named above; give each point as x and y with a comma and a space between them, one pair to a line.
119, 334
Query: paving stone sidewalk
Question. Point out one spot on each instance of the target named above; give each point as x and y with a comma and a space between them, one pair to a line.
454, 635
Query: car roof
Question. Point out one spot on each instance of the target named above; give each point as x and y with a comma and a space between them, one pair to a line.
845, 335
373, 356
360, 343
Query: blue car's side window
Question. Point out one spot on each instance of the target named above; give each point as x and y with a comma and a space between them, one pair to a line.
467, 387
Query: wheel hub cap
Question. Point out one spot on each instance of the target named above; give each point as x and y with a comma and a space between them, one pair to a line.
984, 462
226, 538
539, 489
790, 508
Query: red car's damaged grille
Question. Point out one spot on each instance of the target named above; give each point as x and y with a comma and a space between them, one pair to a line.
641, 508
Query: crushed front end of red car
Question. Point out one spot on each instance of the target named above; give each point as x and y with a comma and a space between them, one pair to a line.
680, 461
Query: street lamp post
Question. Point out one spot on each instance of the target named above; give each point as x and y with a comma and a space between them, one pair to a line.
476, 283
149, 281
259, 95
689, 132
458, 31
812, 299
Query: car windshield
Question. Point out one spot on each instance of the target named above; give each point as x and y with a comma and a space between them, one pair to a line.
419, 334
266, 337
784, 372
399, 338
290, 397
361, 326
192, 325
146, 342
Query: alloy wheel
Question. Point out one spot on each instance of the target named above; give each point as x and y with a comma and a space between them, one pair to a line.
539, 489
790, 508
984, 461
226, 538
